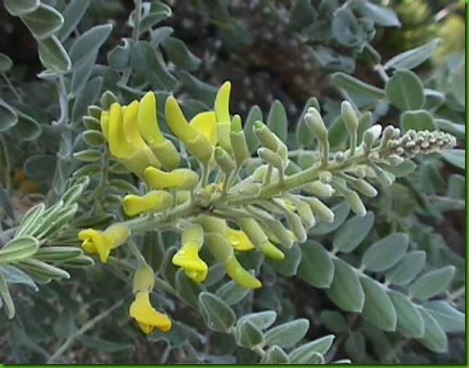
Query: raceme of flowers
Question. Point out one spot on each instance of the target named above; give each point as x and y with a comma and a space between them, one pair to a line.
213, 207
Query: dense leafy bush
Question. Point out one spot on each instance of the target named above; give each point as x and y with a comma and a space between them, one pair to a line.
137, 227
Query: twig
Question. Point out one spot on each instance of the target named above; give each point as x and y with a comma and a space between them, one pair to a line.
90, 324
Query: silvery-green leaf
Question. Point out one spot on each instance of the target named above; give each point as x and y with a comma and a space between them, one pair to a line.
386, 252
175, 338
433, 99
187, 289
261, 320
248, 335
338, 134
180, 55
409, 321
404, 169
255, 114
289, 265
89, 155
351, 234
302, 354
5, 296
43, 21
333, 321
407, 269
302, 14
14, 275
316, 266
19, 248
53, 55
27, 128
458, 130
378, 14
231, 293
217, 314
456, 157
31, 220
355, 86
432, 283
87, 45
40, 167
417, 120
275, 355
8, 116
413, 58
435, 338
5, 63
345, 28
405, 90
119, 57
159, 12
277, 120
287, 334
39, 268
346, 291
20, 7
355, 346
57, 253
378, 308
159, 35
72, 15
449, 318
341, 212
88, 95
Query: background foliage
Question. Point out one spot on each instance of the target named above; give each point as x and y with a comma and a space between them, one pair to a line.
385, 288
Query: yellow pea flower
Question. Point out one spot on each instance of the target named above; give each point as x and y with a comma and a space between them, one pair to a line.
153, 201
196, 142
147, 120
206, 124
102, 242
239, 240
183, 179
222, 112
147, 317
118, 144
188, 256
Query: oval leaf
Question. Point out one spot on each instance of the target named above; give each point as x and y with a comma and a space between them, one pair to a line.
217, 314
405, 90
316, 266
288, 334
413, 58
409, 321
386, 252
43, 21
353, 232
432, 283
409, 267
435, 338
378, 308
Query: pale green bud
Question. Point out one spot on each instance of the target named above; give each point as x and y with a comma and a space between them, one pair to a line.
319, 189
265, 136
355, 203
270, 157
364, 188
315, 123
294, 221
349, 116
306, 214
224, 160
238, 141
321, 210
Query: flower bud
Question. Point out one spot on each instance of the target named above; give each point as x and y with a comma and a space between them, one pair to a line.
144, 278
184, 179
270, 157
364, 187
213, 224
315, 123
224, 160
239, 275
296, 226
265, 136
371, 135
350, 117
319, 189
238, 140
355, 203
306, 214
388, 134
154, 201
384, 177
258, 238
104, 121
321, 210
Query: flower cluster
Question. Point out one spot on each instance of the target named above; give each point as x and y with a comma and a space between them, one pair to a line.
218, 207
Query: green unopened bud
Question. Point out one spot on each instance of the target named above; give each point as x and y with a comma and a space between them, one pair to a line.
238, 141
321, 210
395, 160
240, 276
364, 188
271, 251
107, 99
224, 160
326, 177
319, 189
384, 177
371, 135
144, 278
349, 116
315, 123
296, 226
306, 214
248, 188
213, 224
265, 136
355, 203
258, 237
200, 148
220, 248
388, 134
279, 234
270, 157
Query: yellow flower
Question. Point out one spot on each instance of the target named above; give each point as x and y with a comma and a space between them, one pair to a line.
147, 317
153, 201
184, 179
196, 142
239, 240
188, 256
105, 124
163, 148
206, 124
222, 112
102, 242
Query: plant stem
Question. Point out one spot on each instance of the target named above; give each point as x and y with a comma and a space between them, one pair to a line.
6, 164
